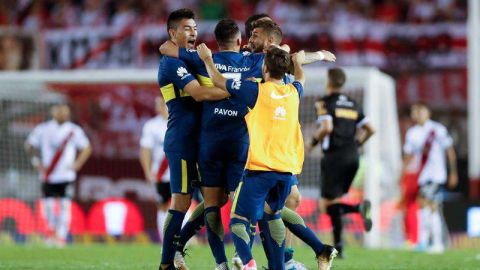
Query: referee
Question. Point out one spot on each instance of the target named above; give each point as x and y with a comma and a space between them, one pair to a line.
339, 119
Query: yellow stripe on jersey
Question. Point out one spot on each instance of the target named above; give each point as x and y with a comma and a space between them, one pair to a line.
184, 177
205, 81
235, 199
346, 113
168, 92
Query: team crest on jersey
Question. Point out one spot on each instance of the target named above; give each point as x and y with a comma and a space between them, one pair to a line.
280, 113
182, 72
236, 83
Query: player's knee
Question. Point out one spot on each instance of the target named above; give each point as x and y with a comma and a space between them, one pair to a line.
294, 199
181, 202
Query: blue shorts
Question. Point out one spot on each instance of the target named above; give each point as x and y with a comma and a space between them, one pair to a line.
222, 165
183, 171
294, 180
256, 188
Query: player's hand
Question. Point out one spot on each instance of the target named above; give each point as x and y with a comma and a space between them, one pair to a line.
285, 47
329, 57
204, 52
165, 45
308, 149
452, 181
150, 178
252, 79
299, 57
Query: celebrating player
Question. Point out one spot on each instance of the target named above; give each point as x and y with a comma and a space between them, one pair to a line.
273, 111
153, 160
181, 91
53, 146
339, 117
425, 146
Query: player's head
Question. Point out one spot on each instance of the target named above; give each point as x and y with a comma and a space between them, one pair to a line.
264, 34
336, 80
161, 107
228, 35
60, 113
276, 64
251, 20
182, 29
420, 112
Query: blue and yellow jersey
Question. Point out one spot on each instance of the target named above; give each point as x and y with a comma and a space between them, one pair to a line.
223, 121
273, 121
184, 112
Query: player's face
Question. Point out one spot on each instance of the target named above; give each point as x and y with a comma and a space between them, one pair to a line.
61, 113
186, 34
258, 40
419, 114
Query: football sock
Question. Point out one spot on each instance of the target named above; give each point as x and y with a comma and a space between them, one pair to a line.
192, 226
275, 233
63, 223
437, 227
171, 234
335, 213
266, 241
241, 238
215, 233
161, 217
425, 225
295, 223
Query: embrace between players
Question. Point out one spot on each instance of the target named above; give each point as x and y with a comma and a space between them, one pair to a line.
233, 130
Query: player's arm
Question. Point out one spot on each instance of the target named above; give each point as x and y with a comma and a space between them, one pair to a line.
146, 162
82, 157
169, 48
452, 167
298, 59
367, 133
217, 78
34, 155
205, 93
322, 55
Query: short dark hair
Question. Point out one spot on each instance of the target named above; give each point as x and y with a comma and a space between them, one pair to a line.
176, 16
226, 31
420, 103
271, 29
252, 19
336, 77
277, 62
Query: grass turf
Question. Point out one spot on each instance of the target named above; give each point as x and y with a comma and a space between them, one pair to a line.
123, 256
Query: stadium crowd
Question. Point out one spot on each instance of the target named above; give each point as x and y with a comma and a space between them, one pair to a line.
41, 14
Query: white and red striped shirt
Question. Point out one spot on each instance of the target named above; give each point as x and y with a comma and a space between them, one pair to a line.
153, 135
62, 140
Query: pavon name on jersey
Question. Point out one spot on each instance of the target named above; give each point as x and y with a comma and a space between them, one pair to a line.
225, 112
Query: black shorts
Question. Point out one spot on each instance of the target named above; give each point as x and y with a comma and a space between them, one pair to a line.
338, 171
163, 190
58, 190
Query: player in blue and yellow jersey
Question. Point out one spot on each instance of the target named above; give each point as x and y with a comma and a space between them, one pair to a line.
274, 155
223, 138
181, 92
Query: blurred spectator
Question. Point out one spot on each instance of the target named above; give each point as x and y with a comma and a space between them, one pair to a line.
389, 11
93, 13
153, 12
421, 11
34, 15
124, 14
64, 14
12, 56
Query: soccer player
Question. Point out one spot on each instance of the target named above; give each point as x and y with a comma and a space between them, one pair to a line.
54, 146
181, 91
274, 155
340, 117
265, 33
426, 145
154, 162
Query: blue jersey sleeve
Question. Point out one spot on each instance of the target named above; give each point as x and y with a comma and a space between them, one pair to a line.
243, 91
191, 58
175, 71
299, 88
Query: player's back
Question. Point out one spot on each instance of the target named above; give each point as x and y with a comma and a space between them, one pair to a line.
346, 114
184, 112
224, 120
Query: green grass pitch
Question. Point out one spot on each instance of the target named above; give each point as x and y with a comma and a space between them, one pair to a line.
130, 256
